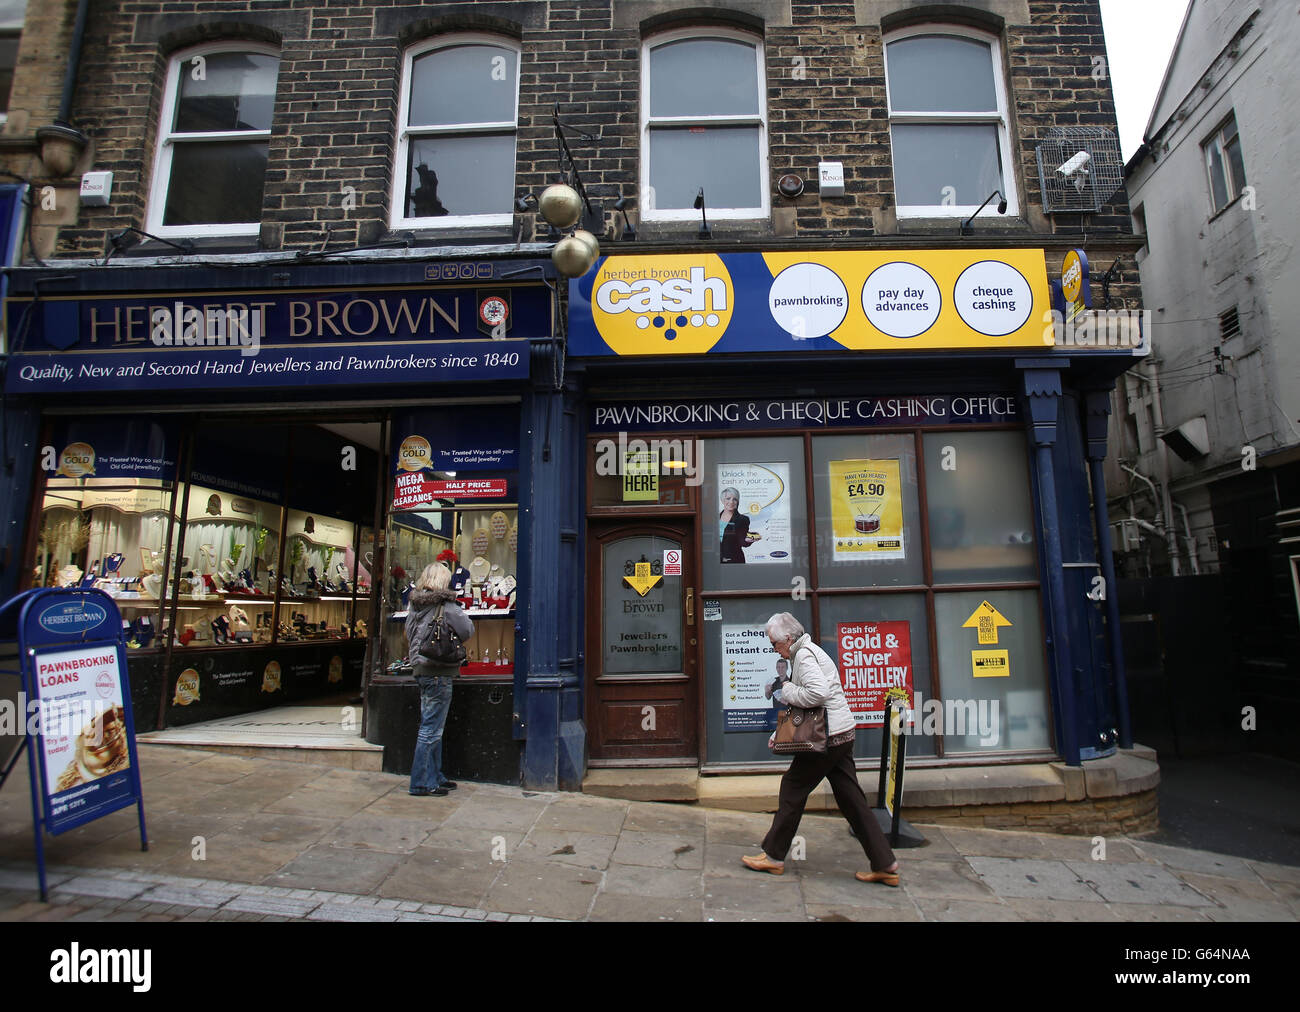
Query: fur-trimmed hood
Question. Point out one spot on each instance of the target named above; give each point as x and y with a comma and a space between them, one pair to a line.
431, 598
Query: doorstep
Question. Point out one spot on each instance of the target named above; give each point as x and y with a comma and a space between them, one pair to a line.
306, 734
1102, 795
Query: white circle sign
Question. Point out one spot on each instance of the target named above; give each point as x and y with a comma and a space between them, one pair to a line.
808, 300
901, 300
993, 298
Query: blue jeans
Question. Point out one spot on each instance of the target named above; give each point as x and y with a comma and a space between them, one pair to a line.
435, 701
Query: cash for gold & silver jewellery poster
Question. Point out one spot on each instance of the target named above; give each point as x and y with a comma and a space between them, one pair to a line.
754, 513
867, 509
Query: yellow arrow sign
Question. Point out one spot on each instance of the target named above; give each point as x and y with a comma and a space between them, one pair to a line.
642, 581
987, 620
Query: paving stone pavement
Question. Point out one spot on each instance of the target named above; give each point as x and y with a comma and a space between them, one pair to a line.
245, 839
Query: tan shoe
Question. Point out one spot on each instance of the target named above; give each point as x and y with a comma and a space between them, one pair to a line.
761, 862
889, 878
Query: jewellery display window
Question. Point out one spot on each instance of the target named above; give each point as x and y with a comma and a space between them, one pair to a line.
113, 539
480, 546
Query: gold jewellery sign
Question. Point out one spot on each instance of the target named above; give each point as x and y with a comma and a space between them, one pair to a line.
888, 300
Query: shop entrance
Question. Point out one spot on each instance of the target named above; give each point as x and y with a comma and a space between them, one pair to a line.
642, 643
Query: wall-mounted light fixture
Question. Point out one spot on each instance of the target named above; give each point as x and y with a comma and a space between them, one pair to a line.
704, 232
968, 225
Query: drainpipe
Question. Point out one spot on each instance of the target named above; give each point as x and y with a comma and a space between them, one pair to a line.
1189, 540
1171, 539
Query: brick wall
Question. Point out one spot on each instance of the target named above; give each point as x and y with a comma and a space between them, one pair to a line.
337, 102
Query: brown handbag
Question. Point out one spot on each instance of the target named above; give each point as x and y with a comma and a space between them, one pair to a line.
800, 730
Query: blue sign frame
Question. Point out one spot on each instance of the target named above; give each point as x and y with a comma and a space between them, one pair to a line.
51, 621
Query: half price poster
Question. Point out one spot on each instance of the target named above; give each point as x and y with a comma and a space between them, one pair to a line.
764, 500
874, 658
867, 509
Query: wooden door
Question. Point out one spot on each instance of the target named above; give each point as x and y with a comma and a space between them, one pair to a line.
642, 643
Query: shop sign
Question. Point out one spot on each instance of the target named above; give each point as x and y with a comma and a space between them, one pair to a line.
989, 408
457, 439
986, 620
702, 303
990, 663
229, 340
114, 448
411, 491
1076, 284
640, 476
875, 658
81, 740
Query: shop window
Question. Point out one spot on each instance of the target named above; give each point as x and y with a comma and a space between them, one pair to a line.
993, 684
213, 142
466, 519
754, 514
105, 517
739, 662
980, 509
880, 641
456, 134
868, 515
1225, 165
703, 117
948, 121
9, 40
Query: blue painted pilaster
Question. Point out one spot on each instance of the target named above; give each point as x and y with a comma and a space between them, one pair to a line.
18, 463
551, 710
1041, 390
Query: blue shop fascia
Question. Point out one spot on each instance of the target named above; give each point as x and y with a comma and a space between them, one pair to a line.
256, 455
901, 447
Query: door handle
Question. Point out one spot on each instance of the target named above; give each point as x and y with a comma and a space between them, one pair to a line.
690, 605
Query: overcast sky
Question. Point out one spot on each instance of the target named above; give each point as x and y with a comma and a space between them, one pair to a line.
1140, 36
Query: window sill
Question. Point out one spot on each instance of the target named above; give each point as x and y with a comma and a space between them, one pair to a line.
206, 244
1226, 207
1009, 225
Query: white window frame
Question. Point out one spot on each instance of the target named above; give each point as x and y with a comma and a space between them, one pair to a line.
162, 164
647, 209
1001, 119
1215, 143
397, 215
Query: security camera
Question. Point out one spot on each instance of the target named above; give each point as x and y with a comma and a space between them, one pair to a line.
1075, 165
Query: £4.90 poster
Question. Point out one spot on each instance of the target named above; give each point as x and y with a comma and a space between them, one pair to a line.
867, 509
754, 513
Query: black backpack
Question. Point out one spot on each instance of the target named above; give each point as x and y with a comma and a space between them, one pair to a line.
434, 640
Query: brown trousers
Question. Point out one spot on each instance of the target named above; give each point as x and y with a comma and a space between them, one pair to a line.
806, 771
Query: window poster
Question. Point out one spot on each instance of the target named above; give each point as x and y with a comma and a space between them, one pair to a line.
754, 514
867, 509
749, 664
874, 658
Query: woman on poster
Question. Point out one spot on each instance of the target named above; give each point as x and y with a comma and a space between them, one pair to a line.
814, 681
733, 528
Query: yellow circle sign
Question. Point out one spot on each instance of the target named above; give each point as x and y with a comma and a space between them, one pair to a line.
669, 305
1072, 276
414, 453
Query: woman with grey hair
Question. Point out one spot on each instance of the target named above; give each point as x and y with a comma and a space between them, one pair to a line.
431, 599
814, 681
733, 528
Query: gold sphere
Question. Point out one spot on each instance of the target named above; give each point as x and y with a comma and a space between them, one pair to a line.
573, 256
560, 205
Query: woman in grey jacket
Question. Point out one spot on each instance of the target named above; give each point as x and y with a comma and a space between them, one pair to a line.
814, 681
431, 593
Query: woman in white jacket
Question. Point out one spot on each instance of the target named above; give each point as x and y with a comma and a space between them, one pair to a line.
814, 681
